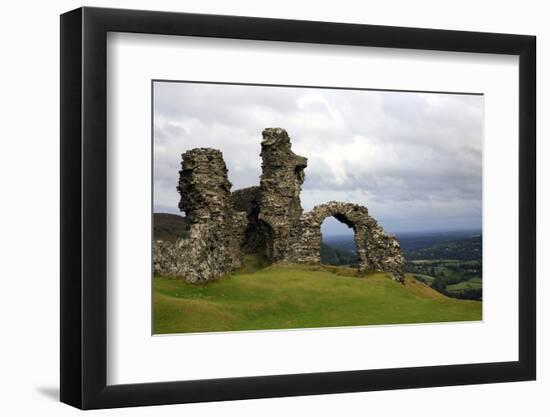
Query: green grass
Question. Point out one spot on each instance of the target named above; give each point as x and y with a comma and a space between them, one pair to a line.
284, 297
427, 278
474, 283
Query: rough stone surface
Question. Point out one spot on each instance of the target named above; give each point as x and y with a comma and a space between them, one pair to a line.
211, 247
280, 186
268, 219
258, 234
203, 186
376, 250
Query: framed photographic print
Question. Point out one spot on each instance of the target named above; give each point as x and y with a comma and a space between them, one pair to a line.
257, 207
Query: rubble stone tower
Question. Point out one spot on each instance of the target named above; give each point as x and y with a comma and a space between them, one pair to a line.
203, 185
215, 231
280, 186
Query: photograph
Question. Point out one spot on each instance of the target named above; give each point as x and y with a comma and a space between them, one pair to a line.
281, 204
295, 207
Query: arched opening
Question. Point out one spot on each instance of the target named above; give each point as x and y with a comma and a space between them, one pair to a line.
258, 239
338, 245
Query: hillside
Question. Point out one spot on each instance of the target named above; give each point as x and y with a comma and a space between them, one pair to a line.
168, 227
336, 256
283, 297
451, 262
465, 248
453, 267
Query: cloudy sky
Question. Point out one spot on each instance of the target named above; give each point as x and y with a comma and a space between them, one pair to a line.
414, 159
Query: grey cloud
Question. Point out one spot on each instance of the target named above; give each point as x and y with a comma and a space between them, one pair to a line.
413, 158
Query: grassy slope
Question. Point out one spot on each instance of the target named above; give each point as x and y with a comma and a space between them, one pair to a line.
282, 297
474, 283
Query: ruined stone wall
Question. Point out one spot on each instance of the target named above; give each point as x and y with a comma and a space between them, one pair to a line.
267, 219
203, 186
376, 250
212, 246
381, 250
258, 234
280, 186
247, 200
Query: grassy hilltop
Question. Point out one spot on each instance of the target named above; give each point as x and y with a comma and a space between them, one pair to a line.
299, 296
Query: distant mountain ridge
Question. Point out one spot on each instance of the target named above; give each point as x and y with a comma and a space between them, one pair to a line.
169, 227
456, 245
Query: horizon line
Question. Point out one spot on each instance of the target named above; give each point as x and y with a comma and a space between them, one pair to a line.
468, 229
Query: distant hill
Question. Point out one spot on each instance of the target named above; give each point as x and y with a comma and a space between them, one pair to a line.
168, 227
466, 248
463, 245
449, 262
336, 256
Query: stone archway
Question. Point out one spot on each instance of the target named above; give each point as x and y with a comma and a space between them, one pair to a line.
308, 240
376, 250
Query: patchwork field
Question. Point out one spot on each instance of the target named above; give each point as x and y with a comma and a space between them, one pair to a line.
285, 297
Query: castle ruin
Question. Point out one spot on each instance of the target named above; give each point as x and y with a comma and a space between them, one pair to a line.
268, 219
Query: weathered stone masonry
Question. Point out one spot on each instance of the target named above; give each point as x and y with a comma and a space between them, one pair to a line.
280, 186
267, 219
211, 248
376, 250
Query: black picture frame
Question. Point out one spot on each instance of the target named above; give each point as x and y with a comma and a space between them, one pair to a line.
84, 207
